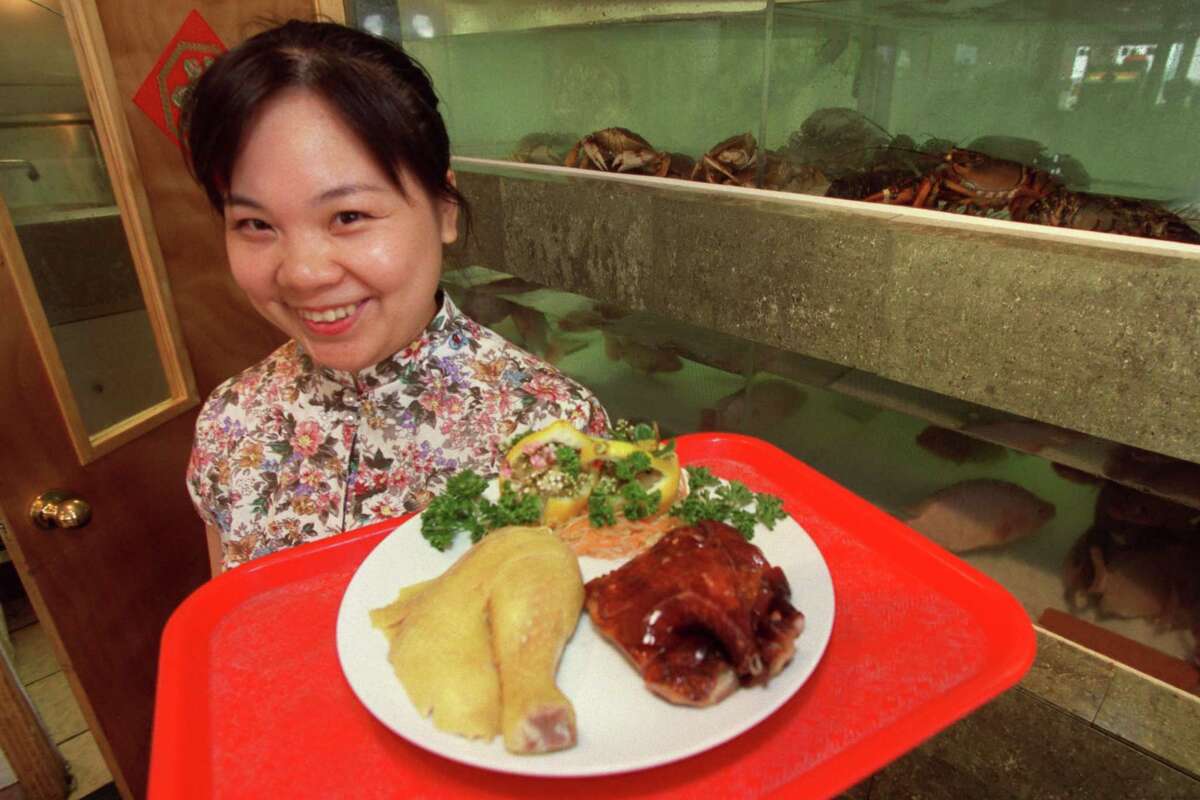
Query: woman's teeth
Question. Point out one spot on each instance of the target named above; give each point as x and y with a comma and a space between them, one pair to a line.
327, 315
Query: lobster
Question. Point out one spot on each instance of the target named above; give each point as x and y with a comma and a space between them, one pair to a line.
1110, 214
869, 183
969, 182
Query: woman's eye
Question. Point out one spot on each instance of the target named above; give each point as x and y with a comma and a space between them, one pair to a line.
349, 217
251, 225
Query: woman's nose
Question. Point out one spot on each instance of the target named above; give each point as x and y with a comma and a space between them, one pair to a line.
308, 263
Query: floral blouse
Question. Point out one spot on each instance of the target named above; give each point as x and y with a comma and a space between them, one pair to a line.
288, 451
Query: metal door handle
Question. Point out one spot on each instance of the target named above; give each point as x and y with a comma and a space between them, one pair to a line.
59, 508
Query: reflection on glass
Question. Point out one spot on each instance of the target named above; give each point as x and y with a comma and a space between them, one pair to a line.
57, 189
526, 79
1101, 99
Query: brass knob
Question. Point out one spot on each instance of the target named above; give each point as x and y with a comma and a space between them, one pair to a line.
59, 508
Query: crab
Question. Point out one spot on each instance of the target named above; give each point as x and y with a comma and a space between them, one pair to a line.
618, 150
730, 161
736, 161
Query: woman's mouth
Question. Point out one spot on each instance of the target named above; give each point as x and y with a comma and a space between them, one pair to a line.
331, 320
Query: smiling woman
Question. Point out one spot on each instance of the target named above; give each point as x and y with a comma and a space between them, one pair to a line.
323, 150
324, 243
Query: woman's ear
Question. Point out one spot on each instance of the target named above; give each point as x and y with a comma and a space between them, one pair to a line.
448, 213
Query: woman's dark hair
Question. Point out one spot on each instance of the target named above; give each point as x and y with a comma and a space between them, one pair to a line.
381, 92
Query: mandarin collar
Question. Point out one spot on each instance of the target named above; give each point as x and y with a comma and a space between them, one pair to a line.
390, 369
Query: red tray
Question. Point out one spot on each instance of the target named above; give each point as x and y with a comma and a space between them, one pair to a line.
252, 702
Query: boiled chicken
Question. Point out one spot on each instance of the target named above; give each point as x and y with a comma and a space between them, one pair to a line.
478, 647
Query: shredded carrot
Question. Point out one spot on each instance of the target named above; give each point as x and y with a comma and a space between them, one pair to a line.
622, 539
615, 541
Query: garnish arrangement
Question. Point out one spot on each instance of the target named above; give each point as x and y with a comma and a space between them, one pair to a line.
557, 475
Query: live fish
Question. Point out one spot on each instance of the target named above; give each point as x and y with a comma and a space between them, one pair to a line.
1076, 475
595, 318
762, 404
537, 338
1119, 506
491, 309
1162, 473
958, 447
1138, 550
979, 513
1153, 575
1028, 435
486, 309
543, 148
643, 358
1134, 585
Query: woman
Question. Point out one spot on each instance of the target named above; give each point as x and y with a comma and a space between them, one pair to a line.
323, 149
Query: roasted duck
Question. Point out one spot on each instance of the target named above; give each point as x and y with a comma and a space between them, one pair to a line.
698, 614
478, 647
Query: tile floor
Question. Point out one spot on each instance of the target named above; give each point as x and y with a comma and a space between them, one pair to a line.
44, 680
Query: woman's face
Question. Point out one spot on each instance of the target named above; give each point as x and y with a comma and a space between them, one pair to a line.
323, 244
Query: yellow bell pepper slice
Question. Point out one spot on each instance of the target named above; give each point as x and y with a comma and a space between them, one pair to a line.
556, 507
663, 473
558, 432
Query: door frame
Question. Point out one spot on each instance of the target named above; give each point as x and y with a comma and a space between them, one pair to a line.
24, 737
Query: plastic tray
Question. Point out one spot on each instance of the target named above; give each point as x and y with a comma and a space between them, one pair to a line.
252, 702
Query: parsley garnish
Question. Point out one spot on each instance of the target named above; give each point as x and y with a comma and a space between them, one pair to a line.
626, 431
628, 468
711, 498
465, 485
700, 477
600, 508
462, 507
735, 493
568, 460
454, 510
768, 509
743, 521
513, 509
639, 503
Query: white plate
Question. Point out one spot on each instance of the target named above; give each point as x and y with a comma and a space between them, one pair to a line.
621, 725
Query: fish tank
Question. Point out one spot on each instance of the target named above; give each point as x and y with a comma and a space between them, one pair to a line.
1074, 114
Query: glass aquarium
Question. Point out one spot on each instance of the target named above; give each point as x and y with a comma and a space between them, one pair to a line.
1076, 527
1070, 114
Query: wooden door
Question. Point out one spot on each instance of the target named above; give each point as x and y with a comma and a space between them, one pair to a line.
104, 591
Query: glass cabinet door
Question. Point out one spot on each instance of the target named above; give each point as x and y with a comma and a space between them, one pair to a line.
78, 242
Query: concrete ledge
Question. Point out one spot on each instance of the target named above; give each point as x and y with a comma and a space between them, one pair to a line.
1092, 332
1053, 737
